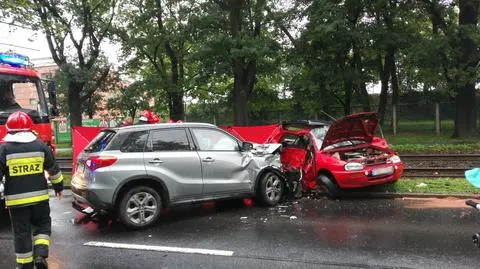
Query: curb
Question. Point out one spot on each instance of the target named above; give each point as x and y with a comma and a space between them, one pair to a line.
386, 195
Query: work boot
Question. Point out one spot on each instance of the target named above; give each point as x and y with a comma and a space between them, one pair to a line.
41, 263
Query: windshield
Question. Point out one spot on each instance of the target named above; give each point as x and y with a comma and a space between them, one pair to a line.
318, 135
22, 93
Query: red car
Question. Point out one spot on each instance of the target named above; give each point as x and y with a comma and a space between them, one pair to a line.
338, 155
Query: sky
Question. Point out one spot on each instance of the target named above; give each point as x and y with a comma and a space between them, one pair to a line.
34, 44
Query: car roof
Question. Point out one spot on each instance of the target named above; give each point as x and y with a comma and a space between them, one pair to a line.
302, 124
140, 127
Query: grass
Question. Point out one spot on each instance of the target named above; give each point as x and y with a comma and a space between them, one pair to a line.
67, 178
63, 145
64, 154
431, 143
434, 186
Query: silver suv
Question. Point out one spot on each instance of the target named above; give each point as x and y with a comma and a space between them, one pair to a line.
139, 170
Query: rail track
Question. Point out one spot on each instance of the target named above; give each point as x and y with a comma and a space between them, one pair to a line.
416, 165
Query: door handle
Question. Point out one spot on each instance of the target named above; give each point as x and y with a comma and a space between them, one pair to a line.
208, 160
156, 161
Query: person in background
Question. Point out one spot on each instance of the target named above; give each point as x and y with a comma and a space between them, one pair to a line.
7, 98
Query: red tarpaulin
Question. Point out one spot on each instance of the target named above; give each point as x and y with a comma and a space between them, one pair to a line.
256, 134
81, 137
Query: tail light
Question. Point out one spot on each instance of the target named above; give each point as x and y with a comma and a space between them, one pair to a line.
97, 162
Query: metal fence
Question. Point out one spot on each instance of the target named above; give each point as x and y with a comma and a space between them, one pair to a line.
417, 118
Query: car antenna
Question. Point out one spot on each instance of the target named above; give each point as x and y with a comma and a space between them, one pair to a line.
328, 115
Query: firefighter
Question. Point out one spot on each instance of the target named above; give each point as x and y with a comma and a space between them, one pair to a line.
23, 162
145, 117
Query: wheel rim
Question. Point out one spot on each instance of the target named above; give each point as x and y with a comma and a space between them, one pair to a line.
273, 188
142, 208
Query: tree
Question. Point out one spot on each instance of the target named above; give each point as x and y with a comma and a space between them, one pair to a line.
459, 57
159, 34
84, 25
128, 100
237, 43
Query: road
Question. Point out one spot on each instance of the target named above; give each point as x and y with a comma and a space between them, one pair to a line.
310, 233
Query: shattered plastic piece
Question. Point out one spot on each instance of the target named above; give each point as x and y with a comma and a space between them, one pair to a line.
244, 218
88, 210
293, 218
149, 236
421, 185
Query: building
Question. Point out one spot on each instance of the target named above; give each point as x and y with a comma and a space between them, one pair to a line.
47, 69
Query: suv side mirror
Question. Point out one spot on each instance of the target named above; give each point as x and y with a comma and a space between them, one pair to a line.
247, 146
52, 97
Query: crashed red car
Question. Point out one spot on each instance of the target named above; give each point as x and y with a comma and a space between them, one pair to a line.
342, 154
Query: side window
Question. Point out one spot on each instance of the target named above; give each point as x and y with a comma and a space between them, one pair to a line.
135, 142
169, 140
213, 140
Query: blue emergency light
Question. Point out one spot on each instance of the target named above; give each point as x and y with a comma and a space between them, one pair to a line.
13, 59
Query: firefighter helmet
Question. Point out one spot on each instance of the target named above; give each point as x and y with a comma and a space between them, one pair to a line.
146, 115
155, 119
19, 122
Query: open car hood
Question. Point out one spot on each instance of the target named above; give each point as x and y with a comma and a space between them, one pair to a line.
359, 126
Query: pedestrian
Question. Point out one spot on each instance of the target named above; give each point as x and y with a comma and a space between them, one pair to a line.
23, 162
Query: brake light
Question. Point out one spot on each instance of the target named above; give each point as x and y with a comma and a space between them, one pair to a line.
97, 162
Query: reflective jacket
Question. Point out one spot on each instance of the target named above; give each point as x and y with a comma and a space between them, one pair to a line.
24, 166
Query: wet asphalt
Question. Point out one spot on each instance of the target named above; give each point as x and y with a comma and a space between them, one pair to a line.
308, 233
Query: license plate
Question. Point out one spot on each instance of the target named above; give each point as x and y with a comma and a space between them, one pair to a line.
382, 171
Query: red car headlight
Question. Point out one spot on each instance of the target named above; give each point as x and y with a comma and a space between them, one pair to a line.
353, 166
395, 159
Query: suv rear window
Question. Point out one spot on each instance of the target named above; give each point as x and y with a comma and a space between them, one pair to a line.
135, 142
101, 141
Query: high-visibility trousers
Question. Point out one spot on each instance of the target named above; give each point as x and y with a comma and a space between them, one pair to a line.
32, 227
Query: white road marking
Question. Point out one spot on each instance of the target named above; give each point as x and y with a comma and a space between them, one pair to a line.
161, 248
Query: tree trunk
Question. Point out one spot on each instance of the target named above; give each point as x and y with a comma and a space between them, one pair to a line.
176, 105
74, 105
384, 77
395, 88
361, 86
241, 85
347, 107
467, 59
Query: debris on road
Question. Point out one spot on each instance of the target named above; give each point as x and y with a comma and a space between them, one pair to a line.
421, 185
293, 218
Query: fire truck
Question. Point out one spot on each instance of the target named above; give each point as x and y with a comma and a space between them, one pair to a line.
22, 89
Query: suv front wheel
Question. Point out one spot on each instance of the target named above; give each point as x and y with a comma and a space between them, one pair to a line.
140, 207
270, 189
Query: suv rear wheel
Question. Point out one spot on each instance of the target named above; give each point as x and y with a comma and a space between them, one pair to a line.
270, 189
140, 207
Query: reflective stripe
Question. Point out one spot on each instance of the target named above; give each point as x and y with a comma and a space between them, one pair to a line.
25, 201
59, 174
25, 195
41, 236
24, 155
41, 242
58, 180
25, 166
23, 258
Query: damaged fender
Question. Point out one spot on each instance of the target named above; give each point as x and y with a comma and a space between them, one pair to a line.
264, 158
